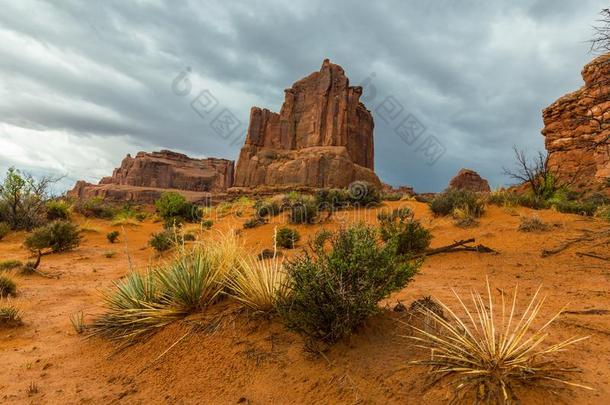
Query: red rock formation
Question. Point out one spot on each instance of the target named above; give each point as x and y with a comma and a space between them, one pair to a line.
322, 137
146, 176
467, 179
577, 130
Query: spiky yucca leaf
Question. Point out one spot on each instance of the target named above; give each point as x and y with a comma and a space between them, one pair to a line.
489, 352
257, 284
192, 281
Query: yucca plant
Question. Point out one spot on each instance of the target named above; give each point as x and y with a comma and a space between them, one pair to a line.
133, 309
491, 351
192, 280
256, 284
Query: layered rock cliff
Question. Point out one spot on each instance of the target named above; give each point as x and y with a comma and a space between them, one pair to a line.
577, 130
144, 177
322, 137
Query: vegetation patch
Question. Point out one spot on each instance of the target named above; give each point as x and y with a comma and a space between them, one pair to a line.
330, 294
113, 236
8, 287
95, 207
446, 202
401, 230
287, 238
59, 236
5, 229
532, 224
10, 316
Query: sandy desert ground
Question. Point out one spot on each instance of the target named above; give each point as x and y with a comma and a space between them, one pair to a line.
226, 355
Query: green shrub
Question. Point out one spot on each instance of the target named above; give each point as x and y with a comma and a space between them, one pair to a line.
4, 229
22, 200
59, 236
320, 239
254, 222
58, 210
287, 238
112, 236
95, 207
174, 209
10, 264
10, 316
265, 208
391, 196
446, 202
207, 223
359, 194
7, 286
409, 237
303, 211
332, 293
162, 241
575, 207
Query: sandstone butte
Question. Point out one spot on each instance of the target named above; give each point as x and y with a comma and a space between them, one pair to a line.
577, 131
143, 178
468, 179
322, 137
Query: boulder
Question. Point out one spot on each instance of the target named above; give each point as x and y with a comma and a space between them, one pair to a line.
577, 131
322, 137
467, 179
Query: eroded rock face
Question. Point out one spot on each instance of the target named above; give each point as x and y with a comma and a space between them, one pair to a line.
467, 179
576, 130
146, 176
322, 137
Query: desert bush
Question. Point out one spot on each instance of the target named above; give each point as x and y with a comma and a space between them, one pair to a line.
10, 264
22, 200
58, 210
10, 316
266, 208
574, 207
207, 223
287, 238
329, 294
4, 229
59, 236
95, 207
163, 241
391, 197
174, 209
487, 357
359, 194
502, 198
320, 238
463, 218
603, 212
112, 236
446, 202
303, 211
8, 287
532, 224
254, 222
408, 235
257, 284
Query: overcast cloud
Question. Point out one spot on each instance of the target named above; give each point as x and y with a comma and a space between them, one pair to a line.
84, 83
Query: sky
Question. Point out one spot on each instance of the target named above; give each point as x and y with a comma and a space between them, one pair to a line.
84, 83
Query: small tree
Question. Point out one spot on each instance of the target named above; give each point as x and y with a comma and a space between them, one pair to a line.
23, 199
536, 173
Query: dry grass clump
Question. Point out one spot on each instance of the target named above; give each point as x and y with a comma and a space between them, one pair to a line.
532, 224
256, 284
7, 286
490, 351
10, 316
464, 218
10, 264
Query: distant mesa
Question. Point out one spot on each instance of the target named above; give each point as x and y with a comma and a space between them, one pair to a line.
468, 179
576, 130
322, 137
145, 177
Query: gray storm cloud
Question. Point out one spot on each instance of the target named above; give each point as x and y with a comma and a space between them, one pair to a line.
84, 83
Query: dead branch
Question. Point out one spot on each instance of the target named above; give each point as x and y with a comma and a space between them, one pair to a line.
588, 312
588, 237
593, 255
459, 246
